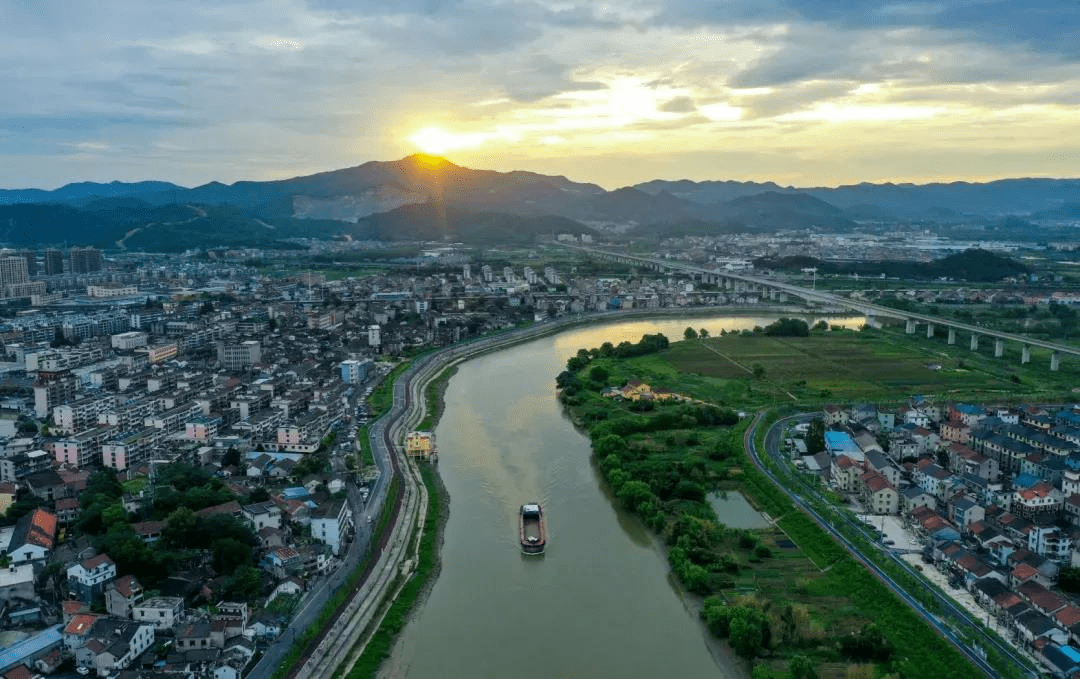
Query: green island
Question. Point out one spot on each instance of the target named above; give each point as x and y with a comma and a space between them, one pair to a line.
788, 598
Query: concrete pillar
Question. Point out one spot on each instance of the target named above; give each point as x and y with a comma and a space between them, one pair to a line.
974, 342
1055, 360
1025, 354
910, 329
999, 348
952, 335
929, 330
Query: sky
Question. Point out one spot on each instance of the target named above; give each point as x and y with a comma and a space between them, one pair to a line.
801, 92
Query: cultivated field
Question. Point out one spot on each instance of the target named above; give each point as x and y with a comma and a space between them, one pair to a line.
843, 366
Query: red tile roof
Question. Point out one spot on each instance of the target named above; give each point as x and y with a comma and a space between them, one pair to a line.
20, 671
81, 624
1007, 600
95, 561
67, 503
1024, 572
127, 586
42, 529
1068, 616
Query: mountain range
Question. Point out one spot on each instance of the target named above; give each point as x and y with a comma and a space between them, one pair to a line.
429, 198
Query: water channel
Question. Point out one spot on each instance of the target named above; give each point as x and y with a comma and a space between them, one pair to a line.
599, 603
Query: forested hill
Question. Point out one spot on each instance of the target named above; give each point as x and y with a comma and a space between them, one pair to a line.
975, 265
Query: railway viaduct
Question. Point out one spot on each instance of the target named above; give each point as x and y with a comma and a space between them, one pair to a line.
780, 291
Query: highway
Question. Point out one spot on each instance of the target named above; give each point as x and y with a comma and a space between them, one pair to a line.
952, 612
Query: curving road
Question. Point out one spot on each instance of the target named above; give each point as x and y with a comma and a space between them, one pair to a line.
953, 612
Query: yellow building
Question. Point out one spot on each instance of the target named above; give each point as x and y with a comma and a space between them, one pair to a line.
7, 496
160, 352
420, 444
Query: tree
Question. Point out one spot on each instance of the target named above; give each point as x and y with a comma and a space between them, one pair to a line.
815, 436
231, 457
762, 671
180, 527
1069, 580
800, 667
633, 493
703, 333
230, 554
690, 333
598, 374
759, 371
245, 584
717, 617
747, 635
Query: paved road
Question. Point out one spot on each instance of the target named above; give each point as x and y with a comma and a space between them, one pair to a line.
953, 612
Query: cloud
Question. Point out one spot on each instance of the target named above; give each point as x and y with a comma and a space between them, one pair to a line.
231, 89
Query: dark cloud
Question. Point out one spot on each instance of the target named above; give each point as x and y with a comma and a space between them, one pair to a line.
679, 105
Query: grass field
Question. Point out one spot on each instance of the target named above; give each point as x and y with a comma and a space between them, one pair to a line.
872, 365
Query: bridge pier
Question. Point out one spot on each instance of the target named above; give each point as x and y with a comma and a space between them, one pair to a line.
910, 328
929, 330
1055, 360
1025, 354
952, 335
999, 348
974, 342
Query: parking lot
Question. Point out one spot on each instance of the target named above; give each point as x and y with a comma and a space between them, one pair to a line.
895, 536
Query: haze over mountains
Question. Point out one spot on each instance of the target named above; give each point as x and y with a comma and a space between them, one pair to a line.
430, 198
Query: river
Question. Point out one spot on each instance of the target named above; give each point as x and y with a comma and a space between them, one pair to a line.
599, 604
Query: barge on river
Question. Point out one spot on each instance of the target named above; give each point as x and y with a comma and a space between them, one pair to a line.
533, 535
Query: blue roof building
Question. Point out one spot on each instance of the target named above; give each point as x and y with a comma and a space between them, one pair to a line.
29, 650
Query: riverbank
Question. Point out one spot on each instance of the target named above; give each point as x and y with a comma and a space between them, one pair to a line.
382, 643
783, 595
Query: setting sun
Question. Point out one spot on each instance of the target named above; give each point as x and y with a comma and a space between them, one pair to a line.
436, 140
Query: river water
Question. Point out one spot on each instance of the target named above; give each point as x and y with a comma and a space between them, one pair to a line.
599, 604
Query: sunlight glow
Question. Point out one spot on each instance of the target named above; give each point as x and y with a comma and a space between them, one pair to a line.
436, 141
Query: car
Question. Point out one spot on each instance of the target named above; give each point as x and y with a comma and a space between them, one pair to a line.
890, 542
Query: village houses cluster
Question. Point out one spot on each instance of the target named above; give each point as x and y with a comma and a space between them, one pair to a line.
991, 494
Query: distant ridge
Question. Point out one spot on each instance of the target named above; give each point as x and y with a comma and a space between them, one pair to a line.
422, 196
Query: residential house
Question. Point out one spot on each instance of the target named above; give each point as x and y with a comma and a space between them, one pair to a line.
878, 495
262, 515
931, 478
914, 497
163, 612
16, 582
330, 522
1040, 501
964, 511
112, 645
878, 462
833, 414
121, 595
964, 460
47, 485
87, 579
954, 432
845, 473
33, 538
1051, 542
194, 635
